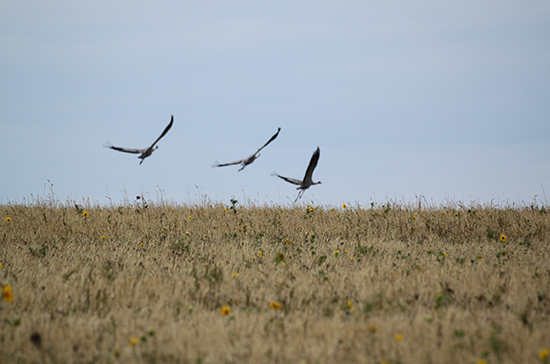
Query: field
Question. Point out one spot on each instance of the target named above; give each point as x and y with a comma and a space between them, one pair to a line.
214, 283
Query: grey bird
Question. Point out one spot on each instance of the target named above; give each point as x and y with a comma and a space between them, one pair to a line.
307, 182
146, 152
248, 160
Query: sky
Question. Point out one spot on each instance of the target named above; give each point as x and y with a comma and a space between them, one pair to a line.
442, 102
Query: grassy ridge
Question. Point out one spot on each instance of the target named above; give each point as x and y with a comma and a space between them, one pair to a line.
214, 283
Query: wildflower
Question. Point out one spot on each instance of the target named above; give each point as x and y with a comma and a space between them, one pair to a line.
8, 219
543, 355
142, 245
444, 254
372, 328
287, 241
1, 265
190, 217
235, 275
261, 254
444, 212
7, 293
103, 237
423, 211
344, 206
350, 306
438, 294
351, 258
85, 214
479, 258
226, 310
280, 258
398, 338
346, 251
310, 208
275, 305
336, 252
414, 217
481, 361
332, 209
358, 228
133, 341
224, 210
503, 238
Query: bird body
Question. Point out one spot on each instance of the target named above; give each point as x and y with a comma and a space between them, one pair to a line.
307, 182
248, 160
145, 152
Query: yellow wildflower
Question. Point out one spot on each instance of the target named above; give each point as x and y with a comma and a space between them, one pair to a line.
414, 217
261, 254
350, 306
1, 265
481, 361
503, 238
226, 310
142, 245
444, 212
287, 241
336, 252
310, 208
235, 275
479, 258
103, 237
85, 214
398, 338
190, 217
275, 305
543, 355
344, 206
133, 341
7, 293
372, 328
8, 219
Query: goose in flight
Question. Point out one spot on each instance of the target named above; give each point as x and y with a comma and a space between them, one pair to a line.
248, 160
307, 182
146, 152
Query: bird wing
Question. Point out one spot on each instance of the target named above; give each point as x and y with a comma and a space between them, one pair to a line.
288, 179
311, 166
164, 132
227, 164
269, 141
127, 150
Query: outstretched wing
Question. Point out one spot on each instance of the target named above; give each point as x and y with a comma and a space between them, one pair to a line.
294, 181
269, 141
126, 150
311, 166
164, 132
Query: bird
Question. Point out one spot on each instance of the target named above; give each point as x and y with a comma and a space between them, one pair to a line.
307, 182
146, 152
248, 160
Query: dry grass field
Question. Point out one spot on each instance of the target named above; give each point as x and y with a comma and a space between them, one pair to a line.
217, 283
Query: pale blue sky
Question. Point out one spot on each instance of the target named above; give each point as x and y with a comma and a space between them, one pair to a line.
446, 100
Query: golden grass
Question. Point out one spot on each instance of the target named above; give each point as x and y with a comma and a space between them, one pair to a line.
221, 284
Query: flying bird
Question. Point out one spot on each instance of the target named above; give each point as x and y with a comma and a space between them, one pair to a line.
144, 152
307, 182
248, 160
